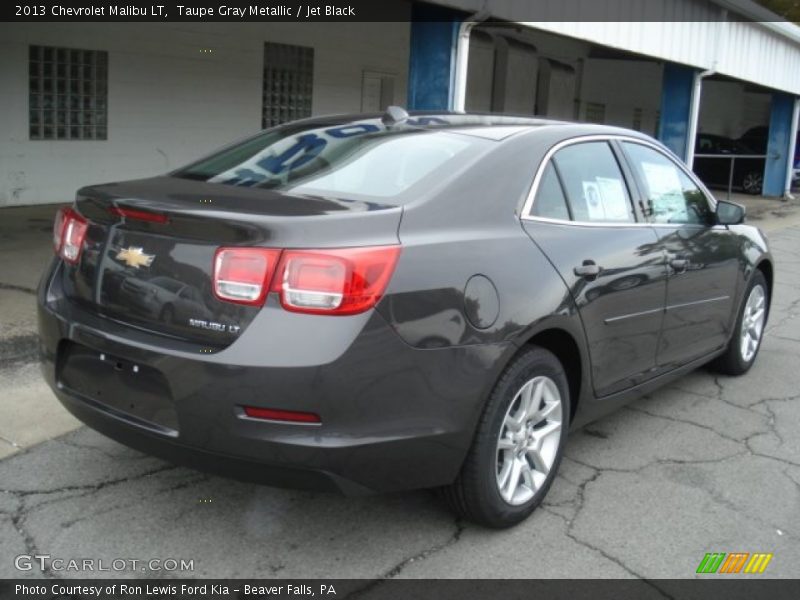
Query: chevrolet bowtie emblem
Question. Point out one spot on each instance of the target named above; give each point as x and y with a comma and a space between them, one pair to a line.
134, 257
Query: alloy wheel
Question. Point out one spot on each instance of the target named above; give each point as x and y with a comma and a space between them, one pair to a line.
528, 442
752, 323
752, 183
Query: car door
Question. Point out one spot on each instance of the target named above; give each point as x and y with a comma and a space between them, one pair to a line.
702, 258
583, 219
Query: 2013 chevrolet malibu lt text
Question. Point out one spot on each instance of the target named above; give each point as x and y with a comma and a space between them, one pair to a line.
380, 303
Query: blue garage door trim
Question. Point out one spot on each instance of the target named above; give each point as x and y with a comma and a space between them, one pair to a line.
778, 144
676, 103
431, 75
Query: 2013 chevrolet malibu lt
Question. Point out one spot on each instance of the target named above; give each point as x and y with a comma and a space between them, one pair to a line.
380, 303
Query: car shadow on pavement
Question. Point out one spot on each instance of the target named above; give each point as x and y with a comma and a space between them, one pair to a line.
85, 495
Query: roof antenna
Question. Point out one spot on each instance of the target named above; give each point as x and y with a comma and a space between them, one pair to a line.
394, 115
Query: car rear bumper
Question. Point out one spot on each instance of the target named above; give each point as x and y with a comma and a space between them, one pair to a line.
393, 417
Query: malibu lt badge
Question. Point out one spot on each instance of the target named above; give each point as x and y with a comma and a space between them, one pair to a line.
212, 326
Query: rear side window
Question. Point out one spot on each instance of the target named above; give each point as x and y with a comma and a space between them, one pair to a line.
593, 183
550, 201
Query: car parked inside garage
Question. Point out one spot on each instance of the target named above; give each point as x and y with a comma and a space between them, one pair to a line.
391, 302
731, 162
757, 138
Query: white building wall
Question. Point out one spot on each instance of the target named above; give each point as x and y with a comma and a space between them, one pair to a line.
620, 86
690, 32
168, 103
751, 52
521, 67
743, 50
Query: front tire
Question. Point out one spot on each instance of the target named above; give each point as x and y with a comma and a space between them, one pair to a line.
518, 444
745, 342
753, 183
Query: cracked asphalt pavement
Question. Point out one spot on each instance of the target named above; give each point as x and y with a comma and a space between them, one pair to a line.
708, 464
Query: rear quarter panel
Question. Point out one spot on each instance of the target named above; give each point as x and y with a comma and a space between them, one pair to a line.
468, 227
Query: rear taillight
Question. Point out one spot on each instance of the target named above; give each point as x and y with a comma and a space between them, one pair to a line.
334, 282
340, 281
58, 228
242, 275
69, 233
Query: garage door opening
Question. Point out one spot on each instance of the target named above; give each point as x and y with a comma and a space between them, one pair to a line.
520, 70
730, 148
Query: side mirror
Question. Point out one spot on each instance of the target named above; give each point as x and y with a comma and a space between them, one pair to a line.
729, 213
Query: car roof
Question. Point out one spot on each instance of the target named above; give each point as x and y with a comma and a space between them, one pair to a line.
491, 126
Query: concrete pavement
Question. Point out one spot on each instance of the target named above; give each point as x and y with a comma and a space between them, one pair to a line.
26, 248
709, 464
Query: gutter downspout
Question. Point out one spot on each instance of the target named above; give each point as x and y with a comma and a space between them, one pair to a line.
462, 59
697, 89
787, 188
694, 114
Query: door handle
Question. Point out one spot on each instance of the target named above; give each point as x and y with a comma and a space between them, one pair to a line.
588, 270
679, 264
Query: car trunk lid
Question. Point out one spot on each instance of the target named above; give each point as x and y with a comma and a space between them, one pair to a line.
152, 268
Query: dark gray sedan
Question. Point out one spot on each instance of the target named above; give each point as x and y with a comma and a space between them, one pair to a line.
380, 303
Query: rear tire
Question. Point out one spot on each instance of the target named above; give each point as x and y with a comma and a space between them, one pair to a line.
516, 450
748, 333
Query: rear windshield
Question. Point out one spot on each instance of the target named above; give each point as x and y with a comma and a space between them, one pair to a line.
357, 160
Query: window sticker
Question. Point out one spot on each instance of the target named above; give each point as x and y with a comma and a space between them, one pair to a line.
605, 199
615, 201
661, 179
594, 201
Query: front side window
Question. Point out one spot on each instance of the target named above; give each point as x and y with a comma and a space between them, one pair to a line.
593, 183
672, 197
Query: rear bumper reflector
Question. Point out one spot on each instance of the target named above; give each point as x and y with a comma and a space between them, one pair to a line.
288, 416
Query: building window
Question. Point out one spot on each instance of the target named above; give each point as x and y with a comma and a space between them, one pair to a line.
595, 112
288, 83
68, 94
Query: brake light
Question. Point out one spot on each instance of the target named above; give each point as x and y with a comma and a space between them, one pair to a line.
271, 414
243, 275
139, 215
334, 282
69, 233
